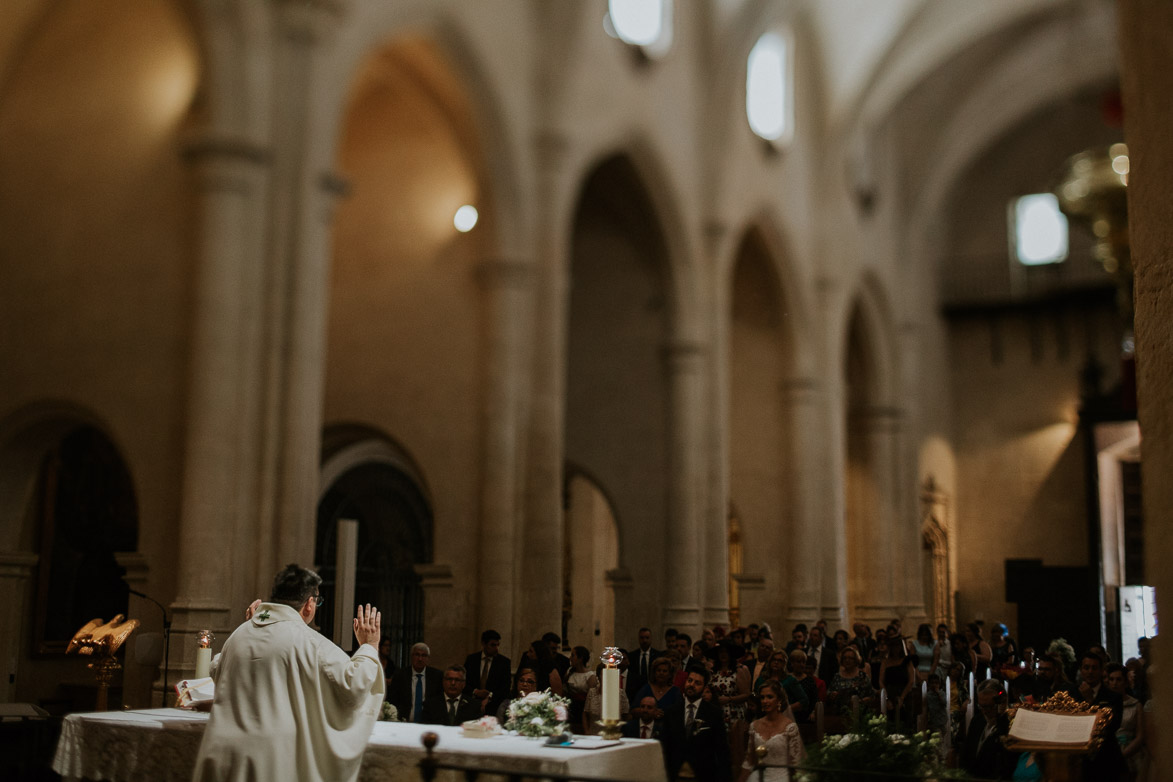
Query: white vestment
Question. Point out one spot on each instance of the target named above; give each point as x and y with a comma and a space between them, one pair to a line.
290, 705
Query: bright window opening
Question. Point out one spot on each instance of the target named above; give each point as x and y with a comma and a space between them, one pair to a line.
767, 87
643, 23
1039, 230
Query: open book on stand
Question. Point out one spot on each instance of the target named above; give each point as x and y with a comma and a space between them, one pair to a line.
191, 693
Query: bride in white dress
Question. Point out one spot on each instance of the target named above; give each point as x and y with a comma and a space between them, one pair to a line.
777, 731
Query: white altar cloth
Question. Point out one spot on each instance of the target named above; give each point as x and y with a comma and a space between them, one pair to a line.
160, 745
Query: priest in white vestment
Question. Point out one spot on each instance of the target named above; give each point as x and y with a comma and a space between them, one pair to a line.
289, 704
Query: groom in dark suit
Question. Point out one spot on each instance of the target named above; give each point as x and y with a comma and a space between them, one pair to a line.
488, 673
694, 732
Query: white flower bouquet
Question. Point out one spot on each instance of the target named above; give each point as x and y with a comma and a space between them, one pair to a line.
538, 714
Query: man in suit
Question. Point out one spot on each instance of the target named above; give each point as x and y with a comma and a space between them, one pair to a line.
561, 662
982, 752
488, 677
694, 733
451, 706
640, 662
1108, 762
643, 723
411, 687
765, 651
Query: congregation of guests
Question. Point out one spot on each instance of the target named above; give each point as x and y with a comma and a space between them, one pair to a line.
714, 701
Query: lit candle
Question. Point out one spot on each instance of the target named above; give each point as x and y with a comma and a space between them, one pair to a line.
610, 693
203, 659
612, 657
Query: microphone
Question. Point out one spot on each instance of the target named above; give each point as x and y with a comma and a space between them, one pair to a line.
166, 637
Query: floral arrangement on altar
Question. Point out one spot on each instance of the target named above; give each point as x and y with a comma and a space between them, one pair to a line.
872, 748
388, 713
538, 714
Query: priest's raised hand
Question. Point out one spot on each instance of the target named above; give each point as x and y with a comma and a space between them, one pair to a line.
290, 704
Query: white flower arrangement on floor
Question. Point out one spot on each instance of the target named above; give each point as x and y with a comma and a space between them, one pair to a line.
388, 713
538, 714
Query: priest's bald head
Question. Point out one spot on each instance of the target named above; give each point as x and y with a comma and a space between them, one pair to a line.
297, 587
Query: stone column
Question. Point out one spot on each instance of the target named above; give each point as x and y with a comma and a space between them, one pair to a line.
305, 191
684, 566
828, 465
506, 287
883, 549
539, 595
1146, 52
230, 177
715, 511
807, 534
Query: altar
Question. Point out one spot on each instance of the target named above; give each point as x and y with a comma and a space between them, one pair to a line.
160, 745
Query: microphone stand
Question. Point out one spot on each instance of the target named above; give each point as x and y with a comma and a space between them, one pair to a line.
166, 639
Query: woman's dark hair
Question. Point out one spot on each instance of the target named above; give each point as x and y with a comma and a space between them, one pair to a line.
1113, 667
583, 654
541, 652
294, 585
924, 630
976, 629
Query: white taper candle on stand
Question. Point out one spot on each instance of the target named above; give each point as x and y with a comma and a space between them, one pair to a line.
609, 723
203, 657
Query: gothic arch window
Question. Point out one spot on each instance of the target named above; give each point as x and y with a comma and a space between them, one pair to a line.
644, 24
769, 88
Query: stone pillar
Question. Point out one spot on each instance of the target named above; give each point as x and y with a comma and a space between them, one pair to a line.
829, 465
715, 511
230, 176
807, 534
1146, 53
684, 565
305, 193
506, 286
883, 547
539, 595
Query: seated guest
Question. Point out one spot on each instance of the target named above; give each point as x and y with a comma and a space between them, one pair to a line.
1049, 678
593, 710
643, 723
451, 706
820, 685
524, 683
489, 678
412, 686
290, 704
983, 754
660, 687
797, 639
1131, 734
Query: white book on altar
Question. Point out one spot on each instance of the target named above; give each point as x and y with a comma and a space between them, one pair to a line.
1040, 727
192, 692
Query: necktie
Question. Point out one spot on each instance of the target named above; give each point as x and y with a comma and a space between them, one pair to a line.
485, 673
643, 666
418, 708
691, 715
643, 732
451, 711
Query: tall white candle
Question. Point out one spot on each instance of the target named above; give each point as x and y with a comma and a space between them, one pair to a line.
203, 662
610, 694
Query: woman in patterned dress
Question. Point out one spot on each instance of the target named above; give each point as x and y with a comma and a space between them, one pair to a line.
731, 688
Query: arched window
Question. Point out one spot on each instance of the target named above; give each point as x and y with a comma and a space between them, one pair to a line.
646, 24
769, 88
1039, 230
